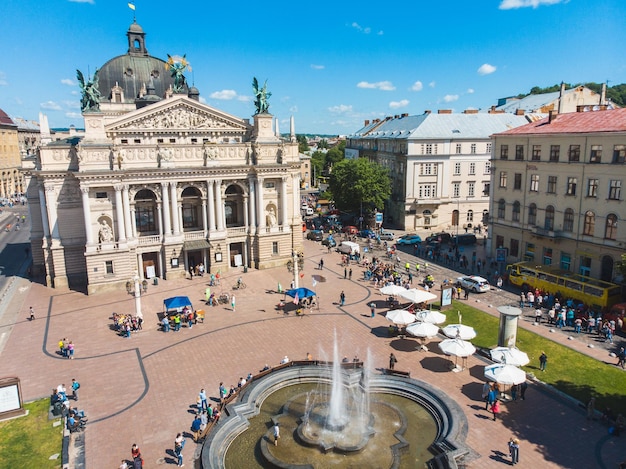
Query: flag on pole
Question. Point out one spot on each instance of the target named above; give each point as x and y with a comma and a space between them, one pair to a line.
131, 6
296, 300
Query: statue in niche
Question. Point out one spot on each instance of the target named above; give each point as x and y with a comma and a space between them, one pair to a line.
262, 96
271, 217
210, 152
105, 234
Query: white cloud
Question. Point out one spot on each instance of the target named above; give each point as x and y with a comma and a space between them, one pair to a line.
50, 105
293, 109
470, 91
341, 109
72, 104
3, 79
417, 86
245, 99
514, 4
317, 67
73, 115
381, 85
432, 84
486, 69
399, 104
224, 95
68, 82
82, 1
364, 29
450, 98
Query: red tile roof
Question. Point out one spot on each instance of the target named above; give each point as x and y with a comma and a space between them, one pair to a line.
5, 119
574, 123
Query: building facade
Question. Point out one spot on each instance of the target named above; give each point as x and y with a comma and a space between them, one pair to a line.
160, 184
439, 165
557, 192
11, 180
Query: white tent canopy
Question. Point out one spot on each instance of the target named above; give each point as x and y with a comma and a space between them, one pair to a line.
433, 317
422, 329
401, 317
415, 295
509, 356
459, 331
392, 290
505, 374
457, 347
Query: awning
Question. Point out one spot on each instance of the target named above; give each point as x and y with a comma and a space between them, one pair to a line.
196, 245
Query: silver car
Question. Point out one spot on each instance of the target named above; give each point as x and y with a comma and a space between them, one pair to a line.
386, 236
474, 283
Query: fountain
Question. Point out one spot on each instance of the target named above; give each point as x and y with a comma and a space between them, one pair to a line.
337, 415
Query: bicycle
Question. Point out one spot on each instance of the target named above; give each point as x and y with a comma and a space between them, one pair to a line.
239, 285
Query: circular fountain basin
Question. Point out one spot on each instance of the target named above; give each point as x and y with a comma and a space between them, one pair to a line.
411, 423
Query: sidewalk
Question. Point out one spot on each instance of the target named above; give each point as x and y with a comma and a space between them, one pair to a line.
140, 390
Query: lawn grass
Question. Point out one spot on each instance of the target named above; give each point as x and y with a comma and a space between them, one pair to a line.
572, 372
30, 441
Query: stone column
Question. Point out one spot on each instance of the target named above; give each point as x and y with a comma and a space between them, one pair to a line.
211, 200
119, 210
133, 225
205, 225
252, 206
51, 205
246, 218
166, 208
260, 212
130, 224
174, 211
159, 219
296, 197
44, 211
87, 214
219, 205
283, 202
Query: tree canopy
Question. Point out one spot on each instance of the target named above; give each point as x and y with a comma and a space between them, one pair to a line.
359, 181
303, 144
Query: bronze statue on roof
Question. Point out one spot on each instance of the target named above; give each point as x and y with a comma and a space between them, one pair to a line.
177, 65
262, 96
90, 100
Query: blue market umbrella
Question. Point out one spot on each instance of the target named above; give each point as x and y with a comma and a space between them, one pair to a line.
300, 292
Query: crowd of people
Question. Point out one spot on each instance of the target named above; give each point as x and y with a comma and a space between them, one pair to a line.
66, 348
126, 324
186, 315
75, 418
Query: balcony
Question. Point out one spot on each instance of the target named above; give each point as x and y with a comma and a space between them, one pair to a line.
543, 233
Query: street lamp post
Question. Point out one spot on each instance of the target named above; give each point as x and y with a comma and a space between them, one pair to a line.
294, 256
133, 287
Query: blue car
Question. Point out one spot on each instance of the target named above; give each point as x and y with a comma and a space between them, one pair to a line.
409, 239
367, 234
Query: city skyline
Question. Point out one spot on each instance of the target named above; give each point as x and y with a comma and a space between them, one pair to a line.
332, 68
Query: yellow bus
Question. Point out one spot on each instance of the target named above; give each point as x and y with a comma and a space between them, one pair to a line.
592, 292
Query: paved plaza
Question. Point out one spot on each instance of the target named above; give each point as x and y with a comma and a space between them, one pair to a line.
139, 390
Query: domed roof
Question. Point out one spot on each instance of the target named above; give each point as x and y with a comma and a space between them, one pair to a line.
134, 70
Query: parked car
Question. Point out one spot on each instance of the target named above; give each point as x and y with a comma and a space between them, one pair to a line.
439, 238
367, 234
315, 235
330, 242
474, 283
463, 240
352, 230
386, 236
409, 239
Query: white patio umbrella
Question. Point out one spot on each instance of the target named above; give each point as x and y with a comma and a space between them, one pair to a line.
392, 290
422, 329
510, 356
458, 348
415, 295
459, 331
401, 317
505, 374
433, 317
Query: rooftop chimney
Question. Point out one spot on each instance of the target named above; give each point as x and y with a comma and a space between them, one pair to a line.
367, 122
603, 94
444, 111
519, 112
470, 111
552, 116
427, 111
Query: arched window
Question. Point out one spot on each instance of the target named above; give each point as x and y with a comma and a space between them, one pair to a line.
610, 229
590, 223
568, 220
501, 209
532, 214
549, 221
145, 207
516, 210
470, 215
192, 208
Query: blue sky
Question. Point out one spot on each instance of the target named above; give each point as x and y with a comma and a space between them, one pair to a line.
331, 65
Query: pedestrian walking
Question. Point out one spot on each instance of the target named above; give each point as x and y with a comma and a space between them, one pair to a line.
350, 274
75, 387
342, 298
232, 302
345, 272
392, 361
591, 408
492, 397
466, 293
373, 309
179, 444
522, 390
495, 408
32, 314
321, 264
543, 361
514, 450
276, 434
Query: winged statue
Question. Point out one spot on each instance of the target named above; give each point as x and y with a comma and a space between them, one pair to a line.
262, 96
90, 100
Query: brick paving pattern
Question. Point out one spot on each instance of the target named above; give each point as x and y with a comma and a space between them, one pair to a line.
140, 390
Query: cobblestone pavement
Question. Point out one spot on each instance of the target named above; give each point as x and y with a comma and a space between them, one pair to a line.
140, 390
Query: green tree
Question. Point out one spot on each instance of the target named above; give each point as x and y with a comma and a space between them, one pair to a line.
359, 182
323, 144
318, 161
303, 144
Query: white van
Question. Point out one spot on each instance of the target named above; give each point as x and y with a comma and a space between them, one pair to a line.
348, 247
310, 211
